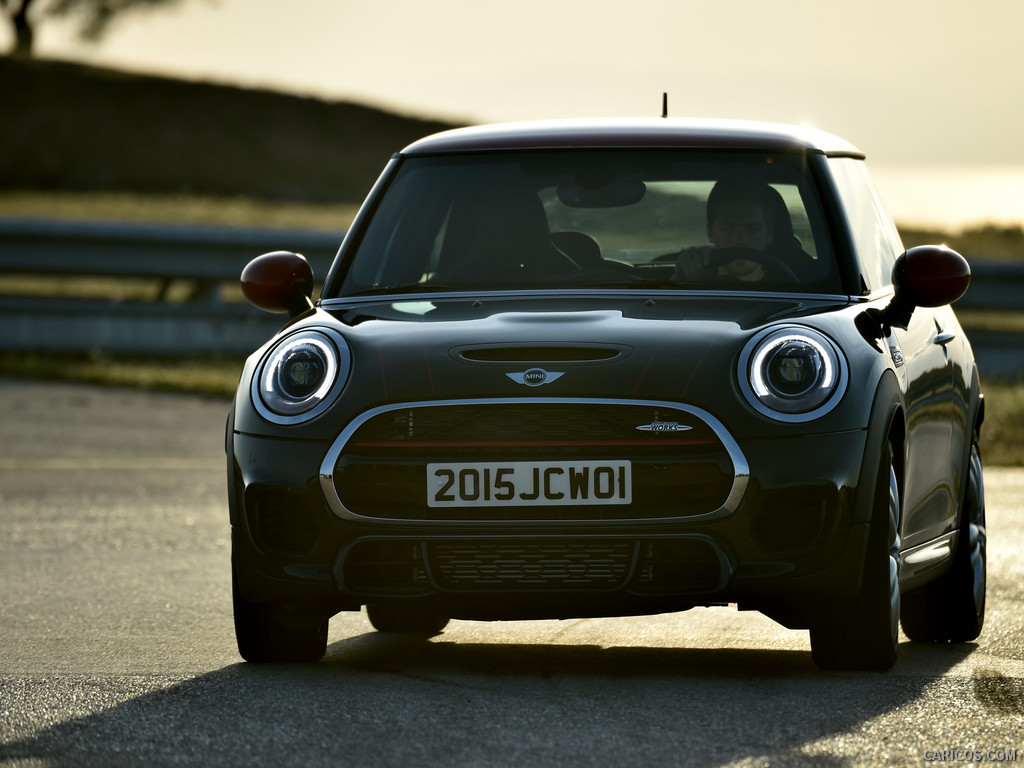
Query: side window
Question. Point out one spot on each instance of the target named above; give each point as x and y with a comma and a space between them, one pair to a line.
874, 235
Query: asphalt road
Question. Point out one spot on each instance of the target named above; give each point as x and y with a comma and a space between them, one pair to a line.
117, 648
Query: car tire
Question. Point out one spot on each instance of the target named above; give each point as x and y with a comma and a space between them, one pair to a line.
952, 607
265, 636
862, 633
404, 619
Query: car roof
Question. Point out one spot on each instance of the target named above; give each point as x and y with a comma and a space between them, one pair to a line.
634, 133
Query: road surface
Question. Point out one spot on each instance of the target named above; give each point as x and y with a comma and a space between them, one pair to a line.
117, 647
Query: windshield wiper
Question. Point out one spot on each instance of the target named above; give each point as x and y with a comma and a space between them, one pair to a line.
405, 288
637, 282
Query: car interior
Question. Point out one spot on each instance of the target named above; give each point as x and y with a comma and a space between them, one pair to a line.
506, 223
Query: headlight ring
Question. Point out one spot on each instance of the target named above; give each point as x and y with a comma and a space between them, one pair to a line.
301, 376
792, 374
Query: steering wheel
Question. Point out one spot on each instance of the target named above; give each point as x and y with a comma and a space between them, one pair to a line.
774, 267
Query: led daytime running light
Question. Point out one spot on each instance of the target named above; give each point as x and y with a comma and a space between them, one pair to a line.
301, 376
280, 358
792, 374
764, 356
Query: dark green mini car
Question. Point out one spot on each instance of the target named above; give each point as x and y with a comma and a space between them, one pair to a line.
608, 368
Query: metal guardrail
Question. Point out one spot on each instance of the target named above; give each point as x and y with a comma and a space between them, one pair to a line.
995, 286
206, 256
211, 256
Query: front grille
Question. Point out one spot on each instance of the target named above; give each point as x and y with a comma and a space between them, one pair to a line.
657, 566
381, 469
541, 564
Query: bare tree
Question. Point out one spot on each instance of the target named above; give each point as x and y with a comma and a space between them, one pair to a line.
17, 12
94, 17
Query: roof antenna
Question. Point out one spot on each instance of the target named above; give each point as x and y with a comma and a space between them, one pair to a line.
664, 104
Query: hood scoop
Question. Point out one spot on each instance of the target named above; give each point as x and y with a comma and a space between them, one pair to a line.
540, 353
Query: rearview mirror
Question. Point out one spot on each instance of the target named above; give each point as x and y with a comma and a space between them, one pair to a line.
615, 193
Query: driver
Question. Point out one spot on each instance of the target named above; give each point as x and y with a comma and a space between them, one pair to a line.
738, 216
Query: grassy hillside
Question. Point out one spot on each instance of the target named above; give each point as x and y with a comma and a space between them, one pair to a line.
981, 241
72, 128
82, 141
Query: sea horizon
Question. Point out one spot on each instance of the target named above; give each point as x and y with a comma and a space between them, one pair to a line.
952, 197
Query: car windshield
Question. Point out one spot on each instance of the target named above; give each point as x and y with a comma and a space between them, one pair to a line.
588, 218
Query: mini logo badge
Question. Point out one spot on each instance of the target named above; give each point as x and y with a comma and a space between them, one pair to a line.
664, 426
897, 354
535, 377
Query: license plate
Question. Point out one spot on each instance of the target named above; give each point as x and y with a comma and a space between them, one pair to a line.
529, 483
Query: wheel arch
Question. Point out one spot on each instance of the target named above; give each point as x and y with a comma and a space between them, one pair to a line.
976, 417
975, 420
886, 425
976, 404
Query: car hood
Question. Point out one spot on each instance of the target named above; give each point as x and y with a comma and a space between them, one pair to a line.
677, 348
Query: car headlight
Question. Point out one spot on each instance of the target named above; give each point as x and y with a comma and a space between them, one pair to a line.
301, 376
792, 374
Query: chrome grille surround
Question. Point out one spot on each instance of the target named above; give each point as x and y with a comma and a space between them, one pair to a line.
670, 411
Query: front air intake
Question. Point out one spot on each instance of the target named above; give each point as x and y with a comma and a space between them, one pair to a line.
407, 567
539, 354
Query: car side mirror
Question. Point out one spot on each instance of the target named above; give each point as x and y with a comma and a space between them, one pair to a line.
279, 281
926, 276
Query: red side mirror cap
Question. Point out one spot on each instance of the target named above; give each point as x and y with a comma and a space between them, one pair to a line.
279, 281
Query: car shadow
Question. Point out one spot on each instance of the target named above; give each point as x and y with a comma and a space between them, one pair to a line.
387, 700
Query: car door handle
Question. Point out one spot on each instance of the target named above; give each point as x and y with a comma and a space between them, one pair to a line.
943, 338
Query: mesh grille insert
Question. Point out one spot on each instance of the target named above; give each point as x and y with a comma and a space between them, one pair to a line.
543, 564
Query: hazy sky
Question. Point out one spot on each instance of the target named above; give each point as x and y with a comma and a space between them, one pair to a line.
911, 82
906, 80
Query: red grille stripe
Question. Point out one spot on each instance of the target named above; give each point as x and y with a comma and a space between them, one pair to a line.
522, 443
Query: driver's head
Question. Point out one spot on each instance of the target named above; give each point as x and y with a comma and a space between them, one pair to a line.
738, 215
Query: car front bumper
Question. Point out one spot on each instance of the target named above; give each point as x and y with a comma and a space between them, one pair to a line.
792, 539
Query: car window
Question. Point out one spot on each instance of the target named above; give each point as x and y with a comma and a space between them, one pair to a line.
670, 213
589, 218
875, 235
